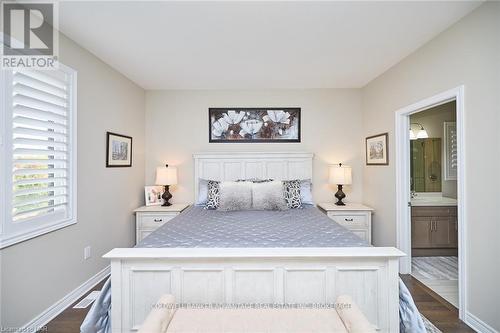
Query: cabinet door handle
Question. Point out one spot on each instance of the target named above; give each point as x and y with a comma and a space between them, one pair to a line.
349, 220
158, 220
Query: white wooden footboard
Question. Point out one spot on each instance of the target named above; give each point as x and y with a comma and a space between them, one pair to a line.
254, 275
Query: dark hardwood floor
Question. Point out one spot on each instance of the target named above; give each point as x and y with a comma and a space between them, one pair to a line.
435, 308
432, 306
69, 320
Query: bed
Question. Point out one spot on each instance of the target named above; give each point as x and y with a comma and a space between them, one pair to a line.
294, 256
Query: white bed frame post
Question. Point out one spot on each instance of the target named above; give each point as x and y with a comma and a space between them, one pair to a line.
254, 275
393, 304
116, 295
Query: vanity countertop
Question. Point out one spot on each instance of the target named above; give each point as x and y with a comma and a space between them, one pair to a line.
427, 199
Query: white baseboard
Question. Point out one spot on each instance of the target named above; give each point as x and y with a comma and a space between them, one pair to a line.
477, 324
43, 318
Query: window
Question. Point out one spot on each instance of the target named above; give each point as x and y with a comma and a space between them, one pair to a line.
38, 150
450, 150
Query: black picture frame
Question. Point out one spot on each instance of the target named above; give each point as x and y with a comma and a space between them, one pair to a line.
109, 164
213, 110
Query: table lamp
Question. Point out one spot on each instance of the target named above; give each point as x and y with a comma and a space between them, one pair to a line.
340, 175
166, 176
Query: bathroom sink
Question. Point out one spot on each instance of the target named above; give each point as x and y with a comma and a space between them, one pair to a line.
424, 199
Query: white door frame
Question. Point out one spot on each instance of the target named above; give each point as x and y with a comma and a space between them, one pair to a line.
403, 211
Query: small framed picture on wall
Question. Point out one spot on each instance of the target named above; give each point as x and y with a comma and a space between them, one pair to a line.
118, 150
377, 149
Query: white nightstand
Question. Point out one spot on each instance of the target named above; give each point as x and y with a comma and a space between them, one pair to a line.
150, 218
354, 216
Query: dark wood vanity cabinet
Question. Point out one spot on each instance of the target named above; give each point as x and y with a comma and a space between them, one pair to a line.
454, 232
434, 231
420, 232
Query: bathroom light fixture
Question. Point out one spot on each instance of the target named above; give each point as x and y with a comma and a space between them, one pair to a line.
421, 134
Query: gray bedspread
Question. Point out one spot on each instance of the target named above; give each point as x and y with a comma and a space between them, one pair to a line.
198, 227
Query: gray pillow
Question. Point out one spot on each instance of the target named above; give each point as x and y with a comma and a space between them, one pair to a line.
235, 196
202, 192
268, 196
305, 192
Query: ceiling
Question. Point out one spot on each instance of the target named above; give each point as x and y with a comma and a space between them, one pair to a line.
255, 45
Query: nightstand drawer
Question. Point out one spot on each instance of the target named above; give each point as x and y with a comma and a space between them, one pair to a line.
150, 218
361, 233
143, 234
155, 220
349, 220
355, 217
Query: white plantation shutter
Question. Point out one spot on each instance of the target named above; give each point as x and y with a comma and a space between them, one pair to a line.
41, 134
451, 151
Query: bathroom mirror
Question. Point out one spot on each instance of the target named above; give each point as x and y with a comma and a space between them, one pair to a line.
425, 166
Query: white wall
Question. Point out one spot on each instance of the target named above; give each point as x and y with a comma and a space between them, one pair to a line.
433, 120
38, 272
466, 54
177, 127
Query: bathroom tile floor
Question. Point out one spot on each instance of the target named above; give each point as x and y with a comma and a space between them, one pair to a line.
440, 274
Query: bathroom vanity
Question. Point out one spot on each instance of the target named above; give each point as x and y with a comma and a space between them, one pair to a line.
434, 228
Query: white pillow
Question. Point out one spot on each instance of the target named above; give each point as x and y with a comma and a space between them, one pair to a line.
305, 192
160, 316
268, 196
235, 196
352, 316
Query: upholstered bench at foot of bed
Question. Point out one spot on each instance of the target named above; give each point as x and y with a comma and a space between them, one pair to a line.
347, 318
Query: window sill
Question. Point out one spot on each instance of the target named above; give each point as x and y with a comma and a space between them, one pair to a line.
6, 241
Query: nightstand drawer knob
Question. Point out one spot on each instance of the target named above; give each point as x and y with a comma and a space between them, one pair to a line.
349, 220
158, 220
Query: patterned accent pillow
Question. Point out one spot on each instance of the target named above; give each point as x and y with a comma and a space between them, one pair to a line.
262, 180
291, 192
255, 180
213, 197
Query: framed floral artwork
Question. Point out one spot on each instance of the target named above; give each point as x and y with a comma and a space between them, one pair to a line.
254, 124
377, 149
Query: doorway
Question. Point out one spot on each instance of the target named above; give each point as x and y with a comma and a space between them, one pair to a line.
430, 190
433, 198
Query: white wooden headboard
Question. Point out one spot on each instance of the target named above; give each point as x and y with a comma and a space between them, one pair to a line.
246, 165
